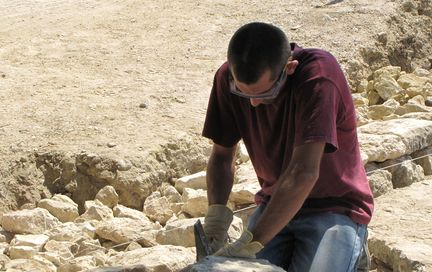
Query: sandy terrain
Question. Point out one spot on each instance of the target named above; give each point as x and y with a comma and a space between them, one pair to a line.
73, 74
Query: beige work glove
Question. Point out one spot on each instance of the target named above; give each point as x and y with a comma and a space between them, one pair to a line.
216, 224
242, 248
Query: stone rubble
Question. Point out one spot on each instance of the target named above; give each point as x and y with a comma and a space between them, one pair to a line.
117, 230
406, 244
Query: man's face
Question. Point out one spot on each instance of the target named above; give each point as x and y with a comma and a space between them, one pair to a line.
264, 91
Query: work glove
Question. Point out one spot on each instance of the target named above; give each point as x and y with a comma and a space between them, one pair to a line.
242, 248
216, 224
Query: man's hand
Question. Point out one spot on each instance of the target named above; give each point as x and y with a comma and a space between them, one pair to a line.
242, 248
216, 224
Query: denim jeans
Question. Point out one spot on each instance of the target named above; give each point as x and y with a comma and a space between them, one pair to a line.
317, 243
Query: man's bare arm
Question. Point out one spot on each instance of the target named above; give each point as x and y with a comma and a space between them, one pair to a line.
220, 174
295, 185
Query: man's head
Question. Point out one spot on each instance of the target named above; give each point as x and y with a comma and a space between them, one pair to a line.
256, 47
259, 60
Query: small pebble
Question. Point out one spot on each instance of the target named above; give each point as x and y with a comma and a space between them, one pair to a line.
296, 27
124, 165
110, 145
143, 106
428, 102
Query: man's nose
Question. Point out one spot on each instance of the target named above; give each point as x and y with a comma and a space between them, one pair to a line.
255, 102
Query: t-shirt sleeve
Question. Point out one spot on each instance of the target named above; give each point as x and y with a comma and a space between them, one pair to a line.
318, 107
220, 125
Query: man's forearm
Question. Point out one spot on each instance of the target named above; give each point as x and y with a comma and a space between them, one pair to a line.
284, 204
220, 176
295, 185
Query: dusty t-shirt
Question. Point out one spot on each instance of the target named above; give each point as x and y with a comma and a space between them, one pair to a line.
315, 104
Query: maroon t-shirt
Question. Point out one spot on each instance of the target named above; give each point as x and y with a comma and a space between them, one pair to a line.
315, 104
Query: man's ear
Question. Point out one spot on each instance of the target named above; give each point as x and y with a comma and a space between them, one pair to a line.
291, 66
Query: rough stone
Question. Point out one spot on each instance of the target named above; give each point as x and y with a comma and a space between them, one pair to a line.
5, 236
34, 221
242, 153
22, 252
95, 210
244, 173
4, 247
386, 86
82, 263
378, 112
391, 71
158, 258
410, 80
171, 193
195, 202
214, 263
373, 97
404, 172
380, 182
3, 261
132, 246
180, 232
415, 134
194, 181
411, 107
53, 257
108, 196
362, 115
36, 241
123, 211
128, 268
60, 251
424, 159
158, 208
93, 249
61, 207
243, 193
124, 230
72, 231
379, 148
30, 265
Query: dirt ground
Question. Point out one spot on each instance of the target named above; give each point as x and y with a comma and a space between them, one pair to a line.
118, 78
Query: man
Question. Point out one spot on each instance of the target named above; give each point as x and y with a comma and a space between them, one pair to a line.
293, 109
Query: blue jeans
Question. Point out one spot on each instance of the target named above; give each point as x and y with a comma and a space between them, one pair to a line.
319, 242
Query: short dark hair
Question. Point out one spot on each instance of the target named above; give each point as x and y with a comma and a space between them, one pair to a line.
256, 47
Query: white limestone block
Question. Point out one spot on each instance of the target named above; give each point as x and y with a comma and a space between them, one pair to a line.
64, 210
108, 196
158, 208
122, 230
30, 265
95, 210
195, 202
157, 258
123, 211
194, 181
34, 221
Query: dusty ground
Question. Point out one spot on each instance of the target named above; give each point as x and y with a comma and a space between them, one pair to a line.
118, 78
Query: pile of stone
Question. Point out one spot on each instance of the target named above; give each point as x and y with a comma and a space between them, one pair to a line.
55, 237
392, 93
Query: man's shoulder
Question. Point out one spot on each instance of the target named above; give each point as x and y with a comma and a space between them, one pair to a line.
316, 62
224, 68
307, 55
